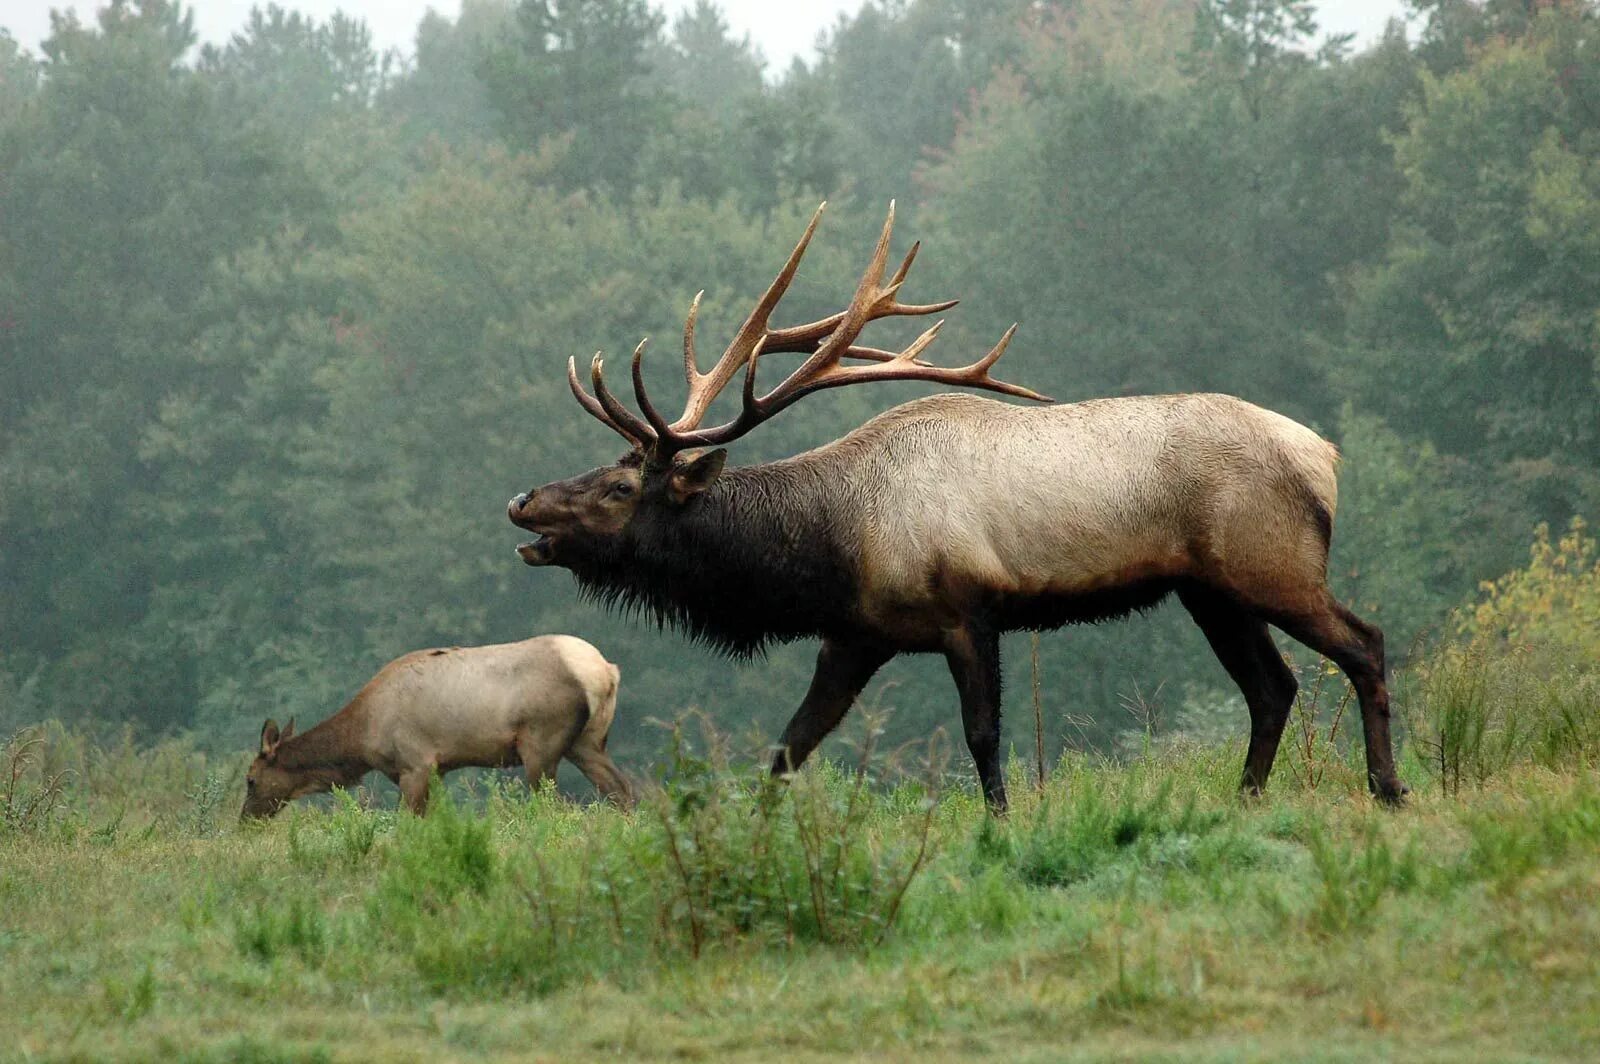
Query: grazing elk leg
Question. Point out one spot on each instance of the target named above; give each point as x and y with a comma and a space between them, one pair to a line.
414, 788
973, 653
1245, 648
540, 755
598, 768
843, 669
1357, 648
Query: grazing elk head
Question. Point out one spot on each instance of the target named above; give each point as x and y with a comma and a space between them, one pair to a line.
267, 786
591, 523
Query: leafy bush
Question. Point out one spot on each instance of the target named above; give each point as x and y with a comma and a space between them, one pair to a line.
1552, 603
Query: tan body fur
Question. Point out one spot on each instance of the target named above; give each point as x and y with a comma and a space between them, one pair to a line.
528, 703
963, 497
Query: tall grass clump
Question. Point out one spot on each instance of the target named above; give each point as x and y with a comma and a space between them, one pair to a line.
1353, 877
712, 859
1521, 681
804, 861
1077, 833
293, 926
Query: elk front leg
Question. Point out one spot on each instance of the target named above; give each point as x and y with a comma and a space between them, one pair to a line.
973, 652
843, 669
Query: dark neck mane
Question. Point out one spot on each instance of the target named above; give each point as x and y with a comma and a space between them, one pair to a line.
754, 560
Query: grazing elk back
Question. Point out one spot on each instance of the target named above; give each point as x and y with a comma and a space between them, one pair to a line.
949, 520
529, 703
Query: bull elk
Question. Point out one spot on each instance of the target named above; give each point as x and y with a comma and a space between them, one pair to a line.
949, 520
528, 703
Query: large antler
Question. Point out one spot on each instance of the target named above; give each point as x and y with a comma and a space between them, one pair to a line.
828, 341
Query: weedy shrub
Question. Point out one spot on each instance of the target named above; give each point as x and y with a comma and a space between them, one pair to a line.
1352, 878
1312, 752
1057, 844
129, 1000
1521, 683
1473, 710
31, 793
294, 926
1506, 849
711, 859
344, 837
205, 802
746, 855
437, 857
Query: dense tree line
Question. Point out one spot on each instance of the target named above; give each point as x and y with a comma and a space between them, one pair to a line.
283, 322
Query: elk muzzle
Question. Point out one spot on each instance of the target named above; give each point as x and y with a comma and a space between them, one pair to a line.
523, 513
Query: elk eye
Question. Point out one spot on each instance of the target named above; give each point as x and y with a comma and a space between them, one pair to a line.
622, 489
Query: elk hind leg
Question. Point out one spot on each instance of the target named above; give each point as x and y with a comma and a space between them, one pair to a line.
1356, 647
597, 767
973, 654
1245, 648
843, 669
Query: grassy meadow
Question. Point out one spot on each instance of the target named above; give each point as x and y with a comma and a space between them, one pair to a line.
1127, 908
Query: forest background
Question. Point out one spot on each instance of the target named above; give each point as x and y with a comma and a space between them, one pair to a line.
284, 322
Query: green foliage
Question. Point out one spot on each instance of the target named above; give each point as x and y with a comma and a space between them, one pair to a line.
1123, 906
1552, 603
1479, 327
577, 71
1353, 878
283, 321
1059, 848
272, 929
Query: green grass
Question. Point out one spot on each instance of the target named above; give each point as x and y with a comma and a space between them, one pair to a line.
1126, 910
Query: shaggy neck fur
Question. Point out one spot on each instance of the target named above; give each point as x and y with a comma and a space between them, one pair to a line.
754, 559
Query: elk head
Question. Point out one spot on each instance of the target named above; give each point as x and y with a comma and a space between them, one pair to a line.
585, 522
267, 787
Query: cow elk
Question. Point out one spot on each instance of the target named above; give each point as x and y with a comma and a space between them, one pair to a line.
949, 520
529, 703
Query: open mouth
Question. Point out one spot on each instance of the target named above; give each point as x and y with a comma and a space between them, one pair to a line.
539, 551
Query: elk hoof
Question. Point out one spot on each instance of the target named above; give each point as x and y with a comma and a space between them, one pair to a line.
1392, 795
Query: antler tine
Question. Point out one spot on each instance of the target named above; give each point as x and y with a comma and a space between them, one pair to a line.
828, 343
630, 423
979, 372
691, 366
592, 405
662, 429
869, 291
704, 387
903, 366
806, 338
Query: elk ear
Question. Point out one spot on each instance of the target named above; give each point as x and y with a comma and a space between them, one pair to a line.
270, 737
288, 731
692, 478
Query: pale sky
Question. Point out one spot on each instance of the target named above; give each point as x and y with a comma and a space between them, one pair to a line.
780, 29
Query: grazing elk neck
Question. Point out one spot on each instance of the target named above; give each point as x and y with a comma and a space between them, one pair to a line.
332, 752
755, 559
